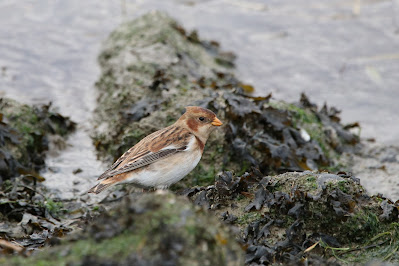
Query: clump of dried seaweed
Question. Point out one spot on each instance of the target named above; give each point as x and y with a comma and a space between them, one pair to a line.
29, 219
25, 133
316, 217
28, 216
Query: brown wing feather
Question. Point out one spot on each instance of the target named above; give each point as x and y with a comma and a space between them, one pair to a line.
120, 160
149, 150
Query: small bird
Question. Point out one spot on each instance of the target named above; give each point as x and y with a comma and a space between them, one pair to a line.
165, 156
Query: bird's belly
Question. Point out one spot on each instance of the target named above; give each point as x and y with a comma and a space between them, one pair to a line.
166, 172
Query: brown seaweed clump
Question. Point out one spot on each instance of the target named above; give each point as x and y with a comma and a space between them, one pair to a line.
25, 133
28, 217
304, 218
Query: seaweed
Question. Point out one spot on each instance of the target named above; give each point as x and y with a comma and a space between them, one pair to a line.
30, 217
25, 133
288, 220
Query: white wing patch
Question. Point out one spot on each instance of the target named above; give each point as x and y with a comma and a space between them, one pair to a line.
192, 144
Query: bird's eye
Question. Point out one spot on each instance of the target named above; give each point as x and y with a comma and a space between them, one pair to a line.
201, 118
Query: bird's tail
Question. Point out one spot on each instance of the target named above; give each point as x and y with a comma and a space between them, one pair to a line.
100, 187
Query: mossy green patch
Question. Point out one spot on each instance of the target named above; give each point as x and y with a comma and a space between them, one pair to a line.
286, 183
300, 115
363, 224
249, 217
344, 186
203, 177
307, 120
117, 248
382, 245
55, 208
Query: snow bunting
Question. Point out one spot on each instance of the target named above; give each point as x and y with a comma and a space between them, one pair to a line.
165, 156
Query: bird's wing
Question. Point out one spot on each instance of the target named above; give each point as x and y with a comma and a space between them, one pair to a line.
154, 147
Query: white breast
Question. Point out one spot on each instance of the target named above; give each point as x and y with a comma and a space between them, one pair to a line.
170, 170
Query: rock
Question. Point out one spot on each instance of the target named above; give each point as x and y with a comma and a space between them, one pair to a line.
151, 68
282, 216
148, 229
27, 216
24, 136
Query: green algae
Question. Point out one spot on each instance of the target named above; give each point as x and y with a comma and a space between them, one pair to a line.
247, 218
300, 115
308, 120
117, 248
55, 208
331, 212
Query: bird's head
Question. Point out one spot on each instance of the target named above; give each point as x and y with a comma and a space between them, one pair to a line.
200, 121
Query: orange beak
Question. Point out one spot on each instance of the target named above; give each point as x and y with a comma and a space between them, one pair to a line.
216, 122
